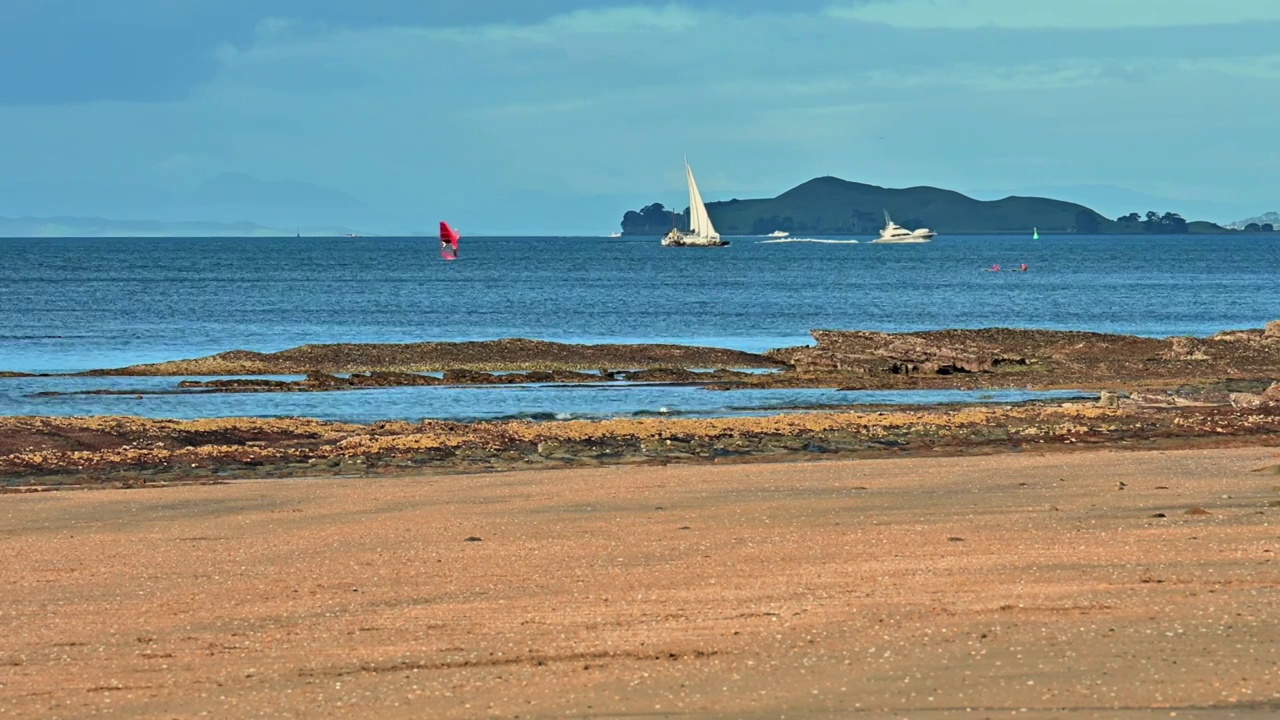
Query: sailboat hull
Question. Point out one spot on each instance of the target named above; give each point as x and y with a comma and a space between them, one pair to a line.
701, 232
680, 240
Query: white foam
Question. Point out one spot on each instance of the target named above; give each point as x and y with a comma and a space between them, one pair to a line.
823, 241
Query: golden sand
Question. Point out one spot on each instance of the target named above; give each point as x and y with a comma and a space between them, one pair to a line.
1093, 584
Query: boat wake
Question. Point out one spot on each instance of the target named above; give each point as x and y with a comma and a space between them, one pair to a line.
822, 241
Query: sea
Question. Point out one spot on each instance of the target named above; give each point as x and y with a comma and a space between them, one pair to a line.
68, 305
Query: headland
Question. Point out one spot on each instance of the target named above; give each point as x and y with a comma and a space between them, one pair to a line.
833, 206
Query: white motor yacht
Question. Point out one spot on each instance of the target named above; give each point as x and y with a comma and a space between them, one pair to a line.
894, 233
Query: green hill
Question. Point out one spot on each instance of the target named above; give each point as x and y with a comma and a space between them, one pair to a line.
831, 206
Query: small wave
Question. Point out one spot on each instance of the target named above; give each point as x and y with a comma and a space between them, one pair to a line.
543, 416
549, 416
661, 412
822, 241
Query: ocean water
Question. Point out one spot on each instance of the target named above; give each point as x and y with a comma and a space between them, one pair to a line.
23, 396
76, 304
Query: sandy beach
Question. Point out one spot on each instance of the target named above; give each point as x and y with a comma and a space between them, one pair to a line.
1089, 584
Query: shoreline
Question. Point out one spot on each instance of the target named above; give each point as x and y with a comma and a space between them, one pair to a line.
49, 453
1155, 392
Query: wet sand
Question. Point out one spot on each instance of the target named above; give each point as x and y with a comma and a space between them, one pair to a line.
1095, 584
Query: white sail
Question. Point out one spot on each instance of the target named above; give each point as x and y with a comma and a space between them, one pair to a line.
701, 232
699, 221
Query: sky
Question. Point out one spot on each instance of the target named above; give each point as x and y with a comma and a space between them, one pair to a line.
556, 116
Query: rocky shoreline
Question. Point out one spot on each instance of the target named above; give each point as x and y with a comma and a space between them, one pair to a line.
1168, 392
508, 355
51, 453
854, 360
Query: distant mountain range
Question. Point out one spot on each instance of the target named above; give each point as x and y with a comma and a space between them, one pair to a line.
102, 227
832, 206
225, 204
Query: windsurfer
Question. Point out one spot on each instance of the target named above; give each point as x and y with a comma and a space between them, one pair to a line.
448, 242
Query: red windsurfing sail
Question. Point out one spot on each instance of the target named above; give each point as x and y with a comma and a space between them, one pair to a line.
450, 236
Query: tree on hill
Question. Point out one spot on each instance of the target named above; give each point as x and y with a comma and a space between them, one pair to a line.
652, 219
1170, 223
1087, 222
866, 222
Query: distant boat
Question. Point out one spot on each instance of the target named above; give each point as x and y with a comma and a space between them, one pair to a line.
1035, 234
352, 235
701, 232
893, 233
615, 234
778, 233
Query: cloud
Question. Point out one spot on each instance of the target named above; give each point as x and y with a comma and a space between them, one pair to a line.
532, 115
999, 78
1265, 67
1089, 14
68, 51
633, 19
1068, 73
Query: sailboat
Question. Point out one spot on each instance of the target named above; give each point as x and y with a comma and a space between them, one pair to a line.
701, 232
1035, 233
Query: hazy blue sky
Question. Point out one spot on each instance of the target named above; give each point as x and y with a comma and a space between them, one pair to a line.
553, 116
